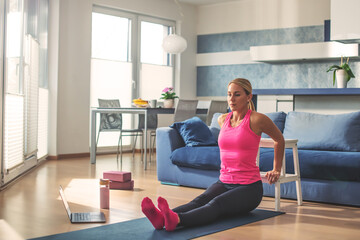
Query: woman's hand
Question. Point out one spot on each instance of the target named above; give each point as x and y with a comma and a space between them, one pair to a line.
272, 176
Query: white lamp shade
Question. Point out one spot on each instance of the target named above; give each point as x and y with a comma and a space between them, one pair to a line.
174, 44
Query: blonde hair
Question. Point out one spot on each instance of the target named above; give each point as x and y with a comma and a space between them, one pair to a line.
246, 85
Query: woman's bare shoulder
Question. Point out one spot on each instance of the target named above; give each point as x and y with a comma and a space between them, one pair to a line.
221, 119
258, 120
257, 116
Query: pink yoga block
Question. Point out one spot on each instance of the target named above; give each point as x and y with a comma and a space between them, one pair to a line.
117, 176
122, 185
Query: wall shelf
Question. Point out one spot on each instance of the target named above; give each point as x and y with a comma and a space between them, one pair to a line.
308, 91
303, 51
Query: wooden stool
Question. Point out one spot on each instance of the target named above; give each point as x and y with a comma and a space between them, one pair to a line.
284, 177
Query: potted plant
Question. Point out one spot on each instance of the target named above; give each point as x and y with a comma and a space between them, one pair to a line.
342, 73
168, 95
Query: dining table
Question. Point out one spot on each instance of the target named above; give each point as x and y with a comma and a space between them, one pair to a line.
128, 110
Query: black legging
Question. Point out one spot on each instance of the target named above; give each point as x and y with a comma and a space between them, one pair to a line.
220, 200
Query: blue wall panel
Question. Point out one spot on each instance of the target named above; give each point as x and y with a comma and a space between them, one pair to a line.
239, 41
213, 80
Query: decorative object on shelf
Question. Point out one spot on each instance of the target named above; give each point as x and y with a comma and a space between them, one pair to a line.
341, 78
342, 73
168, 95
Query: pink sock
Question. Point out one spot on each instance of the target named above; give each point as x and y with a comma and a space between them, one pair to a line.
171, 218
152, 213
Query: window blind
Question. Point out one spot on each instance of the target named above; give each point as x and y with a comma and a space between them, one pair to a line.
31, 82
14, 131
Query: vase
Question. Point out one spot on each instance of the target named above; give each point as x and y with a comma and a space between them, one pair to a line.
341, 78
168, 103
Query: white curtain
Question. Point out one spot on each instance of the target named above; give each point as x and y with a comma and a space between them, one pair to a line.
14, 131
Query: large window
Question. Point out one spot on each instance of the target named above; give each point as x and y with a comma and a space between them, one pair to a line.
128, 60
156, 67
25, 93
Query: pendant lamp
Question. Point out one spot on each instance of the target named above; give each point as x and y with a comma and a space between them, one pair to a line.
174, 44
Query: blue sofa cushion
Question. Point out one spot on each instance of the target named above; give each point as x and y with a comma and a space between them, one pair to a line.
206, 158
324, 132
278, 118
214, 125
214, 121
314, 164
195, 132
215, 132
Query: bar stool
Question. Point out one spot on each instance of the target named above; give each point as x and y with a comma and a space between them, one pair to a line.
284, 177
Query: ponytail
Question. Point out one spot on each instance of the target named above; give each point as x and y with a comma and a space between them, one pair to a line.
251, 106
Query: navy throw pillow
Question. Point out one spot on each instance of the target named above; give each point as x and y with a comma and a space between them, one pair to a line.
279, 119
194, 132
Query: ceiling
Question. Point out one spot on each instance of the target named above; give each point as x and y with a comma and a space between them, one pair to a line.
204, 2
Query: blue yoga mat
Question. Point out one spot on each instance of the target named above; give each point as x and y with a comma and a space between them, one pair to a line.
141, 228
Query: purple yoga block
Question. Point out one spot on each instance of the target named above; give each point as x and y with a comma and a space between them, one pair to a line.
117, 176
122, 185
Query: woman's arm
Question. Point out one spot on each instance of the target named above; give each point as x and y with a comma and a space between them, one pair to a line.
266, 125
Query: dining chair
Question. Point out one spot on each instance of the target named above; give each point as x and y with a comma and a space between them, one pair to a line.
152, 123
110, 122
185, 109
216, 106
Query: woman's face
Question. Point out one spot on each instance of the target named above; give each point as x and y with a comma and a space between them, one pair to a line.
237, 98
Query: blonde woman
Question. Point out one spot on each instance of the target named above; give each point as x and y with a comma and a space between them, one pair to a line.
239, 188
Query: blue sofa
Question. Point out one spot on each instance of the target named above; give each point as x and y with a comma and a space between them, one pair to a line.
329, 157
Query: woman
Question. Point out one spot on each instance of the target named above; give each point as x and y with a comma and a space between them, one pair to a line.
239, 189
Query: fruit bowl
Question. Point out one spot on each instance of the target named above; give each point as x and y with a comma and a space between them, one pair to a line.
140, 103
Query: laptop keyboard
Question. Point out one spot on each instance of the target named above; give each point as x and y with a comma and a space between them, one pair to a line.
81, 216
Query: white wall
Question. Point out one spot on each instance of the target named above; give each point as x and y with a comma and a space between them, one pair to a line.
53, 57
73, 78
247, 15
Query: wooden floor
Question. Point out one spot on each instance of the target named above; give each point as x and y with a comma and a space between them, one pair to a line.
32, 206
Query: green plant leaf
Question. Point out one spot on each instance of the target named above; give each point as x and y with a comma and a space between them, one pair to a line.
333, 67
347, 68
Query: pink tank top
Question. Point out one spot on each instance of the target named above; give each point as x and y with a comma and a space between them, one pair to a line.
238, 150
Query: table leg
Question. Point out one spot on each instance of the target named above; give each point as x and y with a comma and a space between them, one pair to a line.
93, 138
145, 144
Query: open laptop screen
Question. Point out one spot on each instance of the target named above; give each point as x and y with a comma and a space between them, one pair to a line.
62, 195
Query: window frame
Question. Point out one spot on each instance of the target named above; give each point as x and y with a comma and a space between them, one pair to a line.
2, 77
135, 40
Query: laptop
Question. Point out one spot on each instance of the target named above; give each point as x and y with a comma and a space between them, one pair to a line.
89, 217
